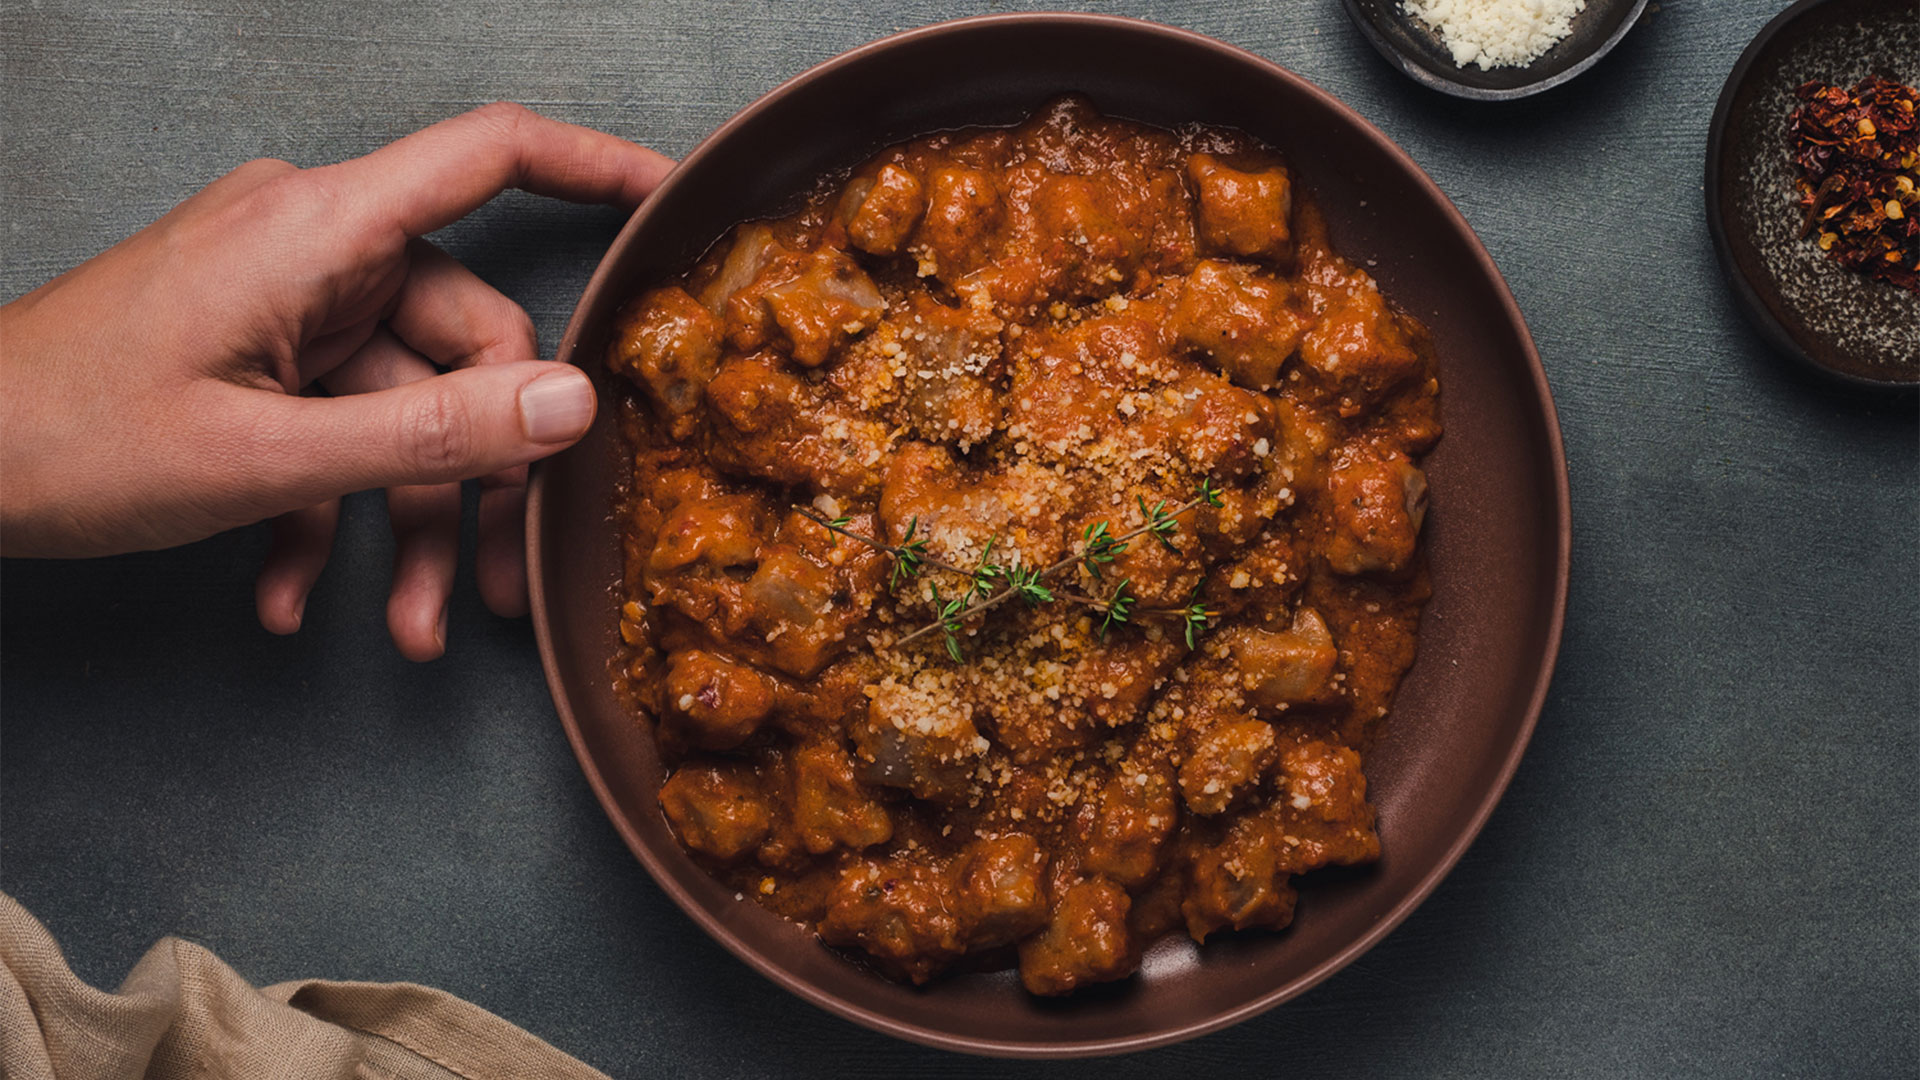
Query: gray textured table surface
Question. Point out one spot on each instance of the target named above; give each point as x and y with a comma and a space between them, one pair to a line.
1705, 865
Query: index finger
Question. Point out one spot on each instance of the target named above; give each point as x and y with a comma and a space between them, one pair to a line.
441, 173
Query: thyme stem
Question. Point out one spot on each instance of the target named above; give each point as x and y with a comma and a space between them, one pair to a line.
1011, 591
877, 545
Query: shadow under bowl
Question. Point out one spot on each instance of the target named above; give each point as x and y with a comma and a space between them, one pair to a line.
1498, 531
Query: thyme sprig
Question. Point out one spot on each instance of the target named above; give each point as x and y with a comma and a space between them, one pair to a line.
1099, 546
909, 555
1119, 607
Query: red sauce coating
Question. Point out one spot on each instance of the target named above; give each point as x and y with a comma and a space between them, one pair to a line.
1013, 336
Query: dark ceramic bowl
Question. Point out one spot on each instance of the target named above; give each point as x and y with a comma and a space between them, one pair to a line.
1498, 529
1419, 51
1843, 323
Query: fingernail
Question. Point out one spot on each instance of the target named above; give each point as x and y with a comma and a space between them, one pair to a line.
299, 612
557, 408
440, 630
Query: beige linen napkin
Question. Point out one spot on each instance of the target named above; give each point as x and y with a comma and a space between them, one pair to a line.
182, 1013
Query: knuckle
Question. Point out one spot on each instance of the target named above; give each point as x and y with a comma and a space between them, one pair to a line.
318, 195
261, 169
320, 206
502, 125
504, 116
517, 331
502, 331
293, 196
436, 434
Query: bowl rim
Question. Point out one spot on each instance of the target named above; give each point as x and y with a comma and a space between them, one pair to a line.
1536, 700
1759, 314
1433, 80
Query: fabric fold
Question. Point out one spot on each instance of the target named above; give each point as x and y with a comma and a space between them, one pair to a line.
182, 1013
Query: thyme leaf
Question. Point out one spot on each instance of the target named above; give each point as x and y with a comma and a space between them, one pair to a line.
1116, 607
908, 556
1160, 524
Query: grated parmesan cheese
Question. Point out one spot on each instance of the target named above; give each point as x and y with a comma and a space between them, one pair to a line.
1497, 33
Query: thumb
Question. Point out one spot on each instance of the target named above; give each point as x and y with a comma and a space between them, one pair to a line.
454, 426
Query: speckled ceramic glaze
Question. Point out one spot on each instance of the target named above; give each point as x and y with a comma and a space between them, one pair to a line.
1498, 532
1852, 325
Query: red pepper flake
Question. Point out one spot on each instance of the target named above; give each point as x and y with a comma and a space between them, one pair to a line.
1857, 153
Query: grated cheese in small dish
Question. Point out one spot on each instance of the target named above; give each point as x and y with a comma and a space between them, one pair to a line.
1497, 33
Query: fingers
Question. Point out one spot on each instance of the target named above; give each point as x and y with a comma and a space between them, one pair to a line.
395, 424
440, 173
447, 313
425, 518
381, 362
301, 542
500, 563
328, 351
450, 427
426, 549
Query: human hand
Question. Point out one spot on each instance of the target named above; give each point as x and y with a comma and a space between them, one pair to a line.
151, 396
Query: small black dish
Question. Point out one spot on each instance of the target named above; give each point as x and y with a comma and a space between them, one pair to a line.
1846, 324
1417, 49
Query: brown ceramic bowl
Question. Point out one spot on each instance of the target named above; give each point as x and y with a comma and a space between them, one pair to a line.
1498, 531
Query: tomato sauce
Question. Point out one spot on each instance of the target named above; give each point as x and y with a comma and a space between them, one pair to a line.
983, 349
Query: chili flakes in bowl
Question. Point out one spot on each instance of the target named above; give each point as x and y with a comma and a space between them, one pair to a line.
1856, 152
